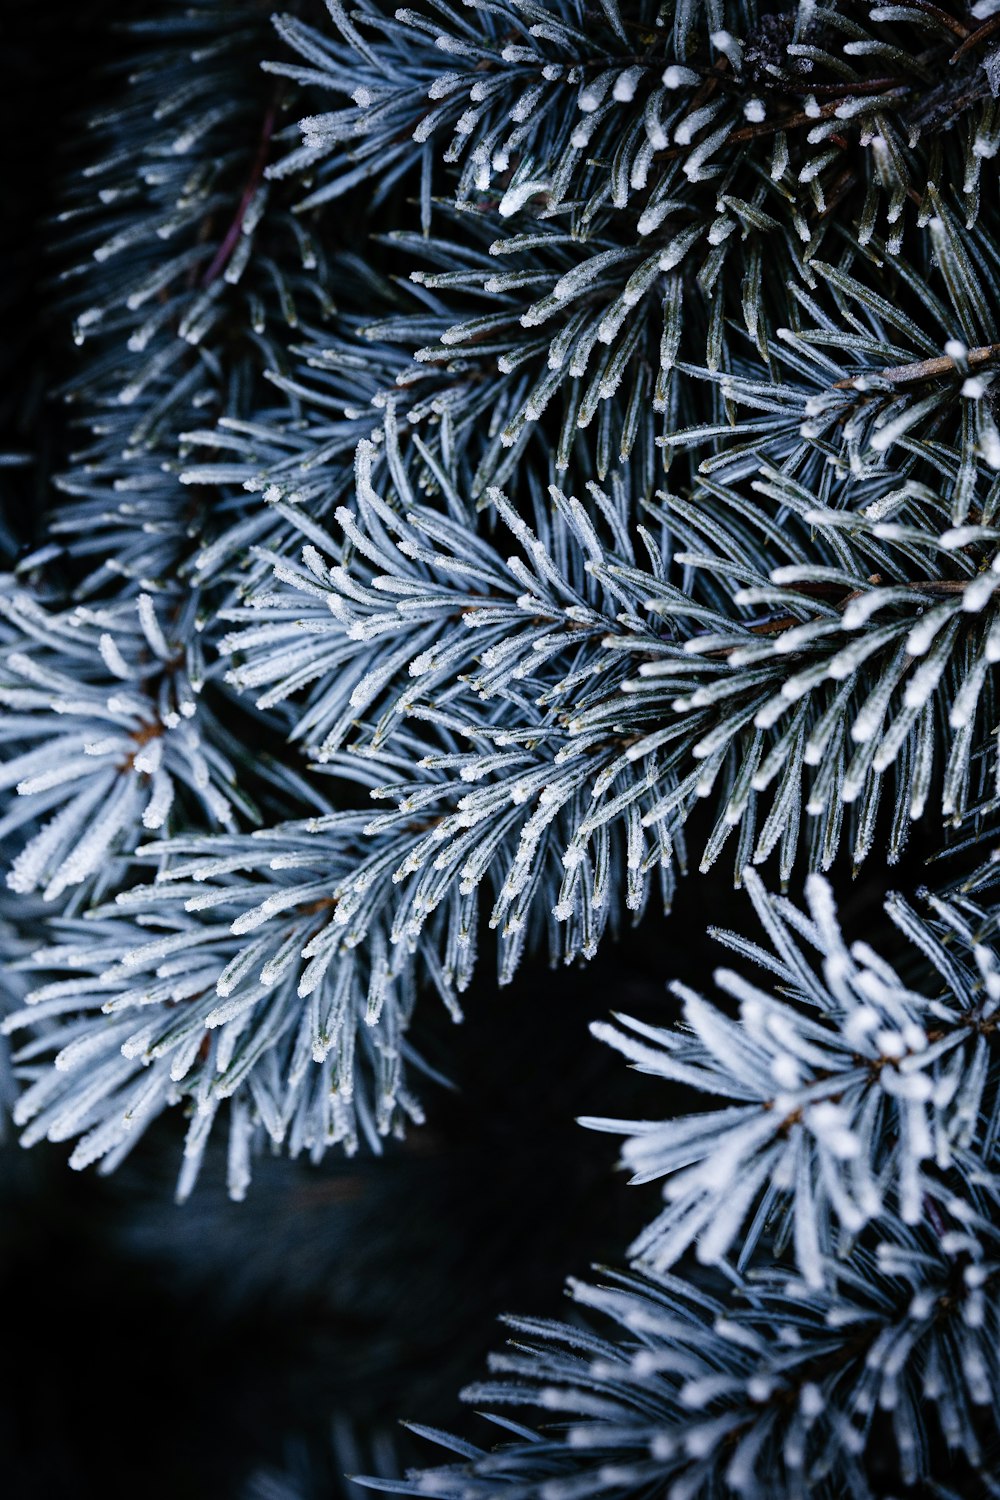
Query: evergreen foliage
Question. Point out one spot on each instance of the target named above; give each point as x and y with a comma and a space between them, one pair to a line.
571, 456
843, 1085
766, 1387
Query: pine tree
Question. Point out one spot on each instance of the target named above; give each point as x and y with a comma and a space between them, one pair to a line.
520, 452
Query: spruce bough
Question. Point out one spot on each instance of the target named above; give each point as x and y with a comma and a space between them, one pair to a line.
522, 452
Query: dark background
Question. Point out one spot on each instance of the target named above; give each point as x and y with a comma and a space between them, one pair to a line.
161, 1351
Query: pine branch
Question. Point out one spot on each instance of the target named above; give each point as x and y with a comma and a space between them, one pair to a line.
762, 1387
846, 1093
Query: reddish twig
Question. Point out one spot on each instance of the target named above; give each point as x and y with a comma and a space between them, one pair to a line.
231, 238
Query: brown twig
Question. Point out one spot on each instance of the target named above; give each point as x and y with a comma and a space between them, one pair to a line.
952, 22
976, 38
925, 369
940, 587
